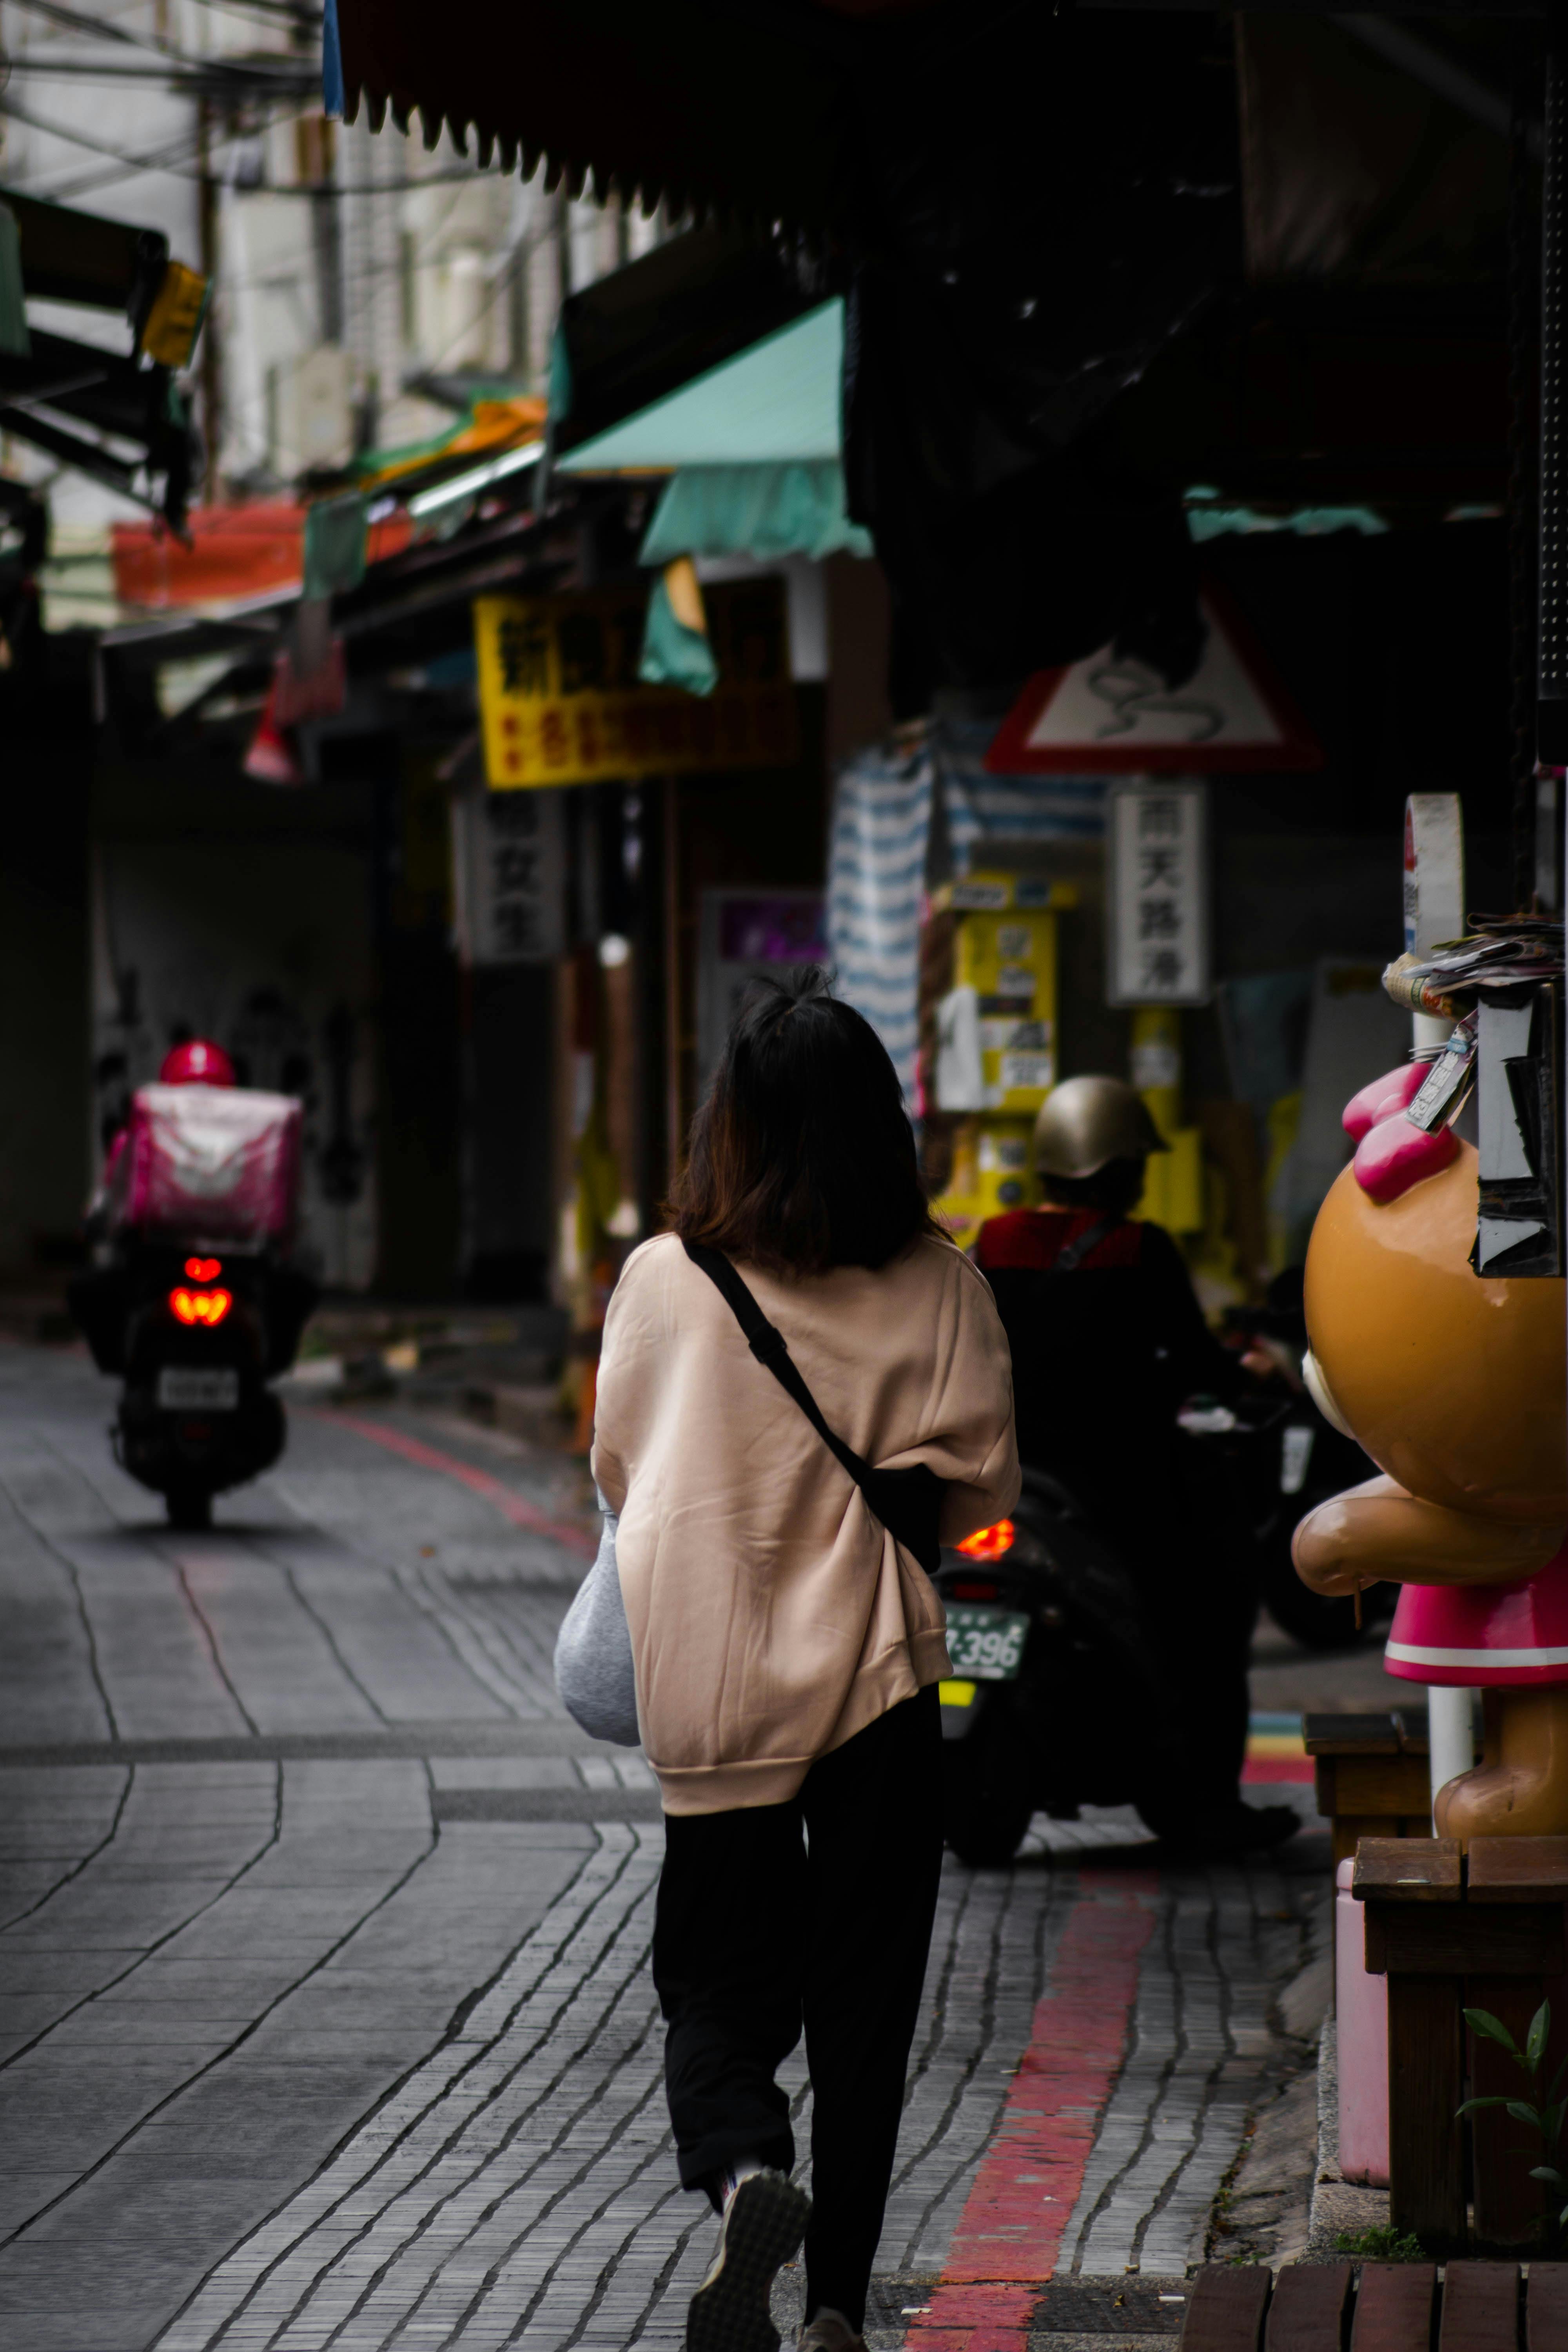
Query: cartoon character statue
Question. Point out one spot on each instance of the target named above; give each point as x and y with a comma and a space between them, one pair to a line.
1455, 1384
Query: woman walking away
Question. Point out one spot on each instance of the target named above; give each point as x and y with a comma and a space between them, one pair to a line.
803, 1388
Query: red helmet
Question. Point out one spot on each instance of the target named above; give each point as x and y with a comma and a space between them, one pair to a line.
197, 1062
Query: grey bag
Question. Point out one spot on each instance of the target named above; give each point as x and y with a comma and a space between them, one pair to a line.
594, 1669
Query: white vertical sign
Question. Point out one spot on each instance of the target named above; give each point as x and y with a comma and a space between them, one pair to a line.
1157, 893
509, 867
1434, 871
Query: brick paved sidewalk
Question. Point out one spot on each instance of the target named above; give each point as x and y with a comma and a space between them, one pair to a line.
324, 2008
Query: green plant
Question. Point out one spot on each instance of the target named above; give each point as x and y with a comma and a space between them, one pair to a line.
1380, 2245
1543, 2113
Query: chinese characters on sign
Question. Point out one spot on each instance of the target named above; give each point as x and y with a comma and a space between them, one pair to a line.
1158, 930
511, 876
560, 701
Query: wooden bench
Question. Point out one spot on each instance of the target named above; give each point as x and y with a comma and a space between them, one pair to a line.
1397, 2307
1452, 1932
1374, 1775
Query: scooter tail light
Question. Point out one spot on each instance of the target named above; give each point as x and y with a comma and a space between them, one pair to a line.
975, 1592
200, 1308
989, 1543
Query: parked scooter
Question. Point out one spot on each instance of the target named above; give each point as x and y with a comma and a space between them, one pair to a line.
192, 1299
1055, 1700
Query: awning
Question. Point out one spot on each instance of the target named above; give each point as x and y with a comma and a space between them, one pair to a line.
754, 445
737, 109
654, 326
776, 404
766, 512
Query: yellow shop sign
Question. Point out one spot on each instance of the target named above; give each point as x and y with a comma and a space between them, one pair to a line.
560, 701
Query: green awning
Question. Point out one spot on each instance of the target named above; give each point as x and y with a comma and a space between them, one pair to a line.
767, 511
776, 404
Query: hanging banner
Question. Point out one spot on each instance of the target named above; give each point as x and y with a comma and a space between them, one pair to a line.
1157, 894
560, 701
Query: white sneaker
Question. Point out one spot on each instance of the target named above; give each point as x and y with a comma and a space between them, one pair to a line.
764, 2220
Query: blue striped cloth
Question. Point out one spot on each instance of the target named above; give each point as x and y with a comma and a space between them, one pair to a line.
981, 808
877, 858
876, 883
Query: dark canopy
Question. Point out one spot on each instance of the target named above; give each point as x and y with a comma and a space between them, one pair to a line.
1029, 205
703, 103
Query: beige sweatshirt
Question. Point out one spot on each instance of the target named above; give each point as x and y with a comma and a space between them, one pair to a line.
772, 1617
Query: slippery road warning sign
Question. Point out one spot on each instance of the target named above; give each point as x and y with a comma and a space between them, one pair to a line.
1112, 714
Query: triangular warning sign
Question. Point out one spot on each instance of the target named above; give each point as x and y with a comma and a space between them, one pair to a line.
1113, 715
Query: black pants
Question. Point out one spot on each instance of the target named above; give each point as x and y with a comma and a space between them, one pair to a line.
759, 1928
1179, 1534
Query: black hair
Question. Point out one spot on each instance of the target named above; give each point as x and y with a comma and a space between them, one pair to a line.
803, 1157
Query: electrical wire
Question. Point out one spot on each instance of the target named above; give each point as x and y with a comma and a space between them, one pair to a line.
176, 164
286, 11
218, 79
159, 163
98, 29
106, 29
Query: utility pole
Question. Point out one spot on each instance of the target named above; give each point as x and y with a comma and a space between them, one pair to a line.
211, 366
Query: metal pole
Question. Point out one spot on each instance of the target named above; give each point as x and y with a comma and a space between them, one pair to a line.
1435, 912
1523, 364
1551, 653
1450, 1721
211, 361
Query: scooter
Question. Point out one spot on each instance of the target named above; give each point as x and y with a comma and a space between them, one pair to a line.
1055, 1700
197, 1336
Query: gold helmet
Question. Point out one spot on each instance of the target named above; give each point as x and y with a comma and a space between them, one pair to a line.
1085, 1123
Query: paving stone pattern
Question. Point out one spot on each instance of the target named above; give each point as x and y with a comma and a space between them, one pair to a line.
325, 2017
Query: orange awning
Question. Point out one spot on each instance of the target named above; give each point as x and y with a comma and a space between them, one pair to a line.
236, 554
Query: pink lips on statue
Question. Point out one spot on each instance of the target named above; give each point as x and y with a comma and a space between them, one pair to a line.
1382, 1099
1391, 1154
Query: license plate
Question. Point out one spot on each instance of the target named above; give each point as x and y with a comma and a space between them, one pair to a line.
1295, 1459
183, 1390
986, 1645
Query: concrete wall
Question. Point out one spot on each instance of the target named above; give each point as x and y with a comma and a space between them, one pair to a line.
43, 1165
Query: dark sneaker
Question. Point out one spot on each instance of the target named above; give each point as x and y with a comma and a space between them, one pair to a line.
1237, 1829
830, 2332
764, 2223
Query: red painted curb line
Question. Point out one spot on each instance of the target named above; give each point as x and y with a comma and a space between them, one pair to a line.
1010, 2232
480, 1482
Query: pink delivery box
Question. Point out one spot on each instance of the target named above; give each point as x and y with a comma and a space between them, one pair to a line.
208, 1163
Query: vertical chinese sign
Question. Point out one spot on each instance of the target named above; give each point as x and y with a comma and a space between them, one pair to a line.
1157, 893
560, 701
511, 877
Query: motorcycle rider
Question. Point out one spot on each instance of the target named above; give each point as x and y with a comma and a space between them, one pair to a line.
128, 1302
198, 1062
1107, 1341
101, 1298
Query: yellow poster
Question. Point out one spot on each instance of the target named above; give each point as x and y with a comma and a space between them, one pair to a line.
560, 701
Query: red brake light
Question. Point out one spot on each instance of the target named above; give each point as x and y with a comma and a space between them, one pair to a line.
203, 1270
975, 1592
989, 1543
208, 1306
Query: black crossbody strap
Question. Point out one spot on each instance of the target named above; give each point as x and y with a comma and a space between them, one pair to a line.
1071, 1256
908, 1502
